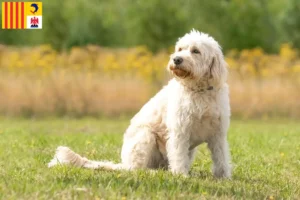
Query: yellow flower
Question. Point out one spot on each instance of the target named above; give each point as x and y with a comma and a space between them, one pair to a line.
257, 52
287, 52
270, 198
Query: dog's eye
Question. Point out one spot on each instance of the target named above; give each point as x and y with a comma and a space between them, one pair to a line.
196, 51
179, 49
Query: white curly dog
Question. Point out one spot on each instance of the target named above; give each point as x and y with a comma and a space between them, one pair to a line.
192, 109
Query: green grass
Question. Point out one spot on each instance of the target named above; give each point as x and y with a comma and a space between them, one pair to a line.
266, 157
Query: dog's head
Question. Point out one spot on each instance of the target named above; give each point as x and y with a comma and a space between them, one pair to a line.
198, 57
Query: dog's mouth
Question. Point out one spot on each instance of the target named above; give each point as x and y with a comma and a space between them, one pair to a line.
179, 72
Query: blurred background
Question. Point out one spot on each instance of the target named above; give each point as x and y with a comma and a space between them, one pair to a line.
107, 58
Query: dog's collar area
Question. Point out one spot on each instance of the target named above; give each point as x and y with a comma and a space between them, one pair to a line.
210, 87
201, 89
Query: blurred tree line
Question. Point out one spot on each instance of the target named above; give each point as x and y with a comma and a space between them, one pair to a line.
236, 24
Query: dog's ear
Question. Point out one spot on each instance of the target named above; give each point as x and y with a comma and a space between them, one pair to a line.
218, 69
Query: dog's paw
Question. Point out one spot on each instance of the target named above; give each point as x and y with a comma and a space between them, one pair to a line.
222, 172
181, 172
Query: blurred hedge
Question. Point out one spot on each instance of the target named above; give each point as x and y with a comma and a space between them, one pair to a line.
240, 24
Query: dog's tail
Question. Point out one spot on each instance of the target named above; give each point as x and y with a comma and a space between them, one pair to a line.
64, 155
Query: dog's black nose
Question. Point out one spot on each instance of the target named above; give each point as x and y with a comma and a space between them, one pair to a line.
177, 60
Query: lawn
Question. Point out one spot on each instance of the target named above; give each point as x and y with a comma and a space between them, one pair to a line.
265, 154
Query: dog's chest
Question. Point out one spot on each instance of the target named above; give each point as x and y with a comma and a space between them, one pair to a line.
204, 119
196, 114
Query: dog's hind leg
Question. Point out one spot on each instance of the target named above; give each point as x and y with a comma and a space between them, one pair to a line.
140, 149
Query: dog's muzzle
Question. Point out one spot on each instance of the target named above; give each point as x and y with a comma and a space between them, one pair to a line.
177, 68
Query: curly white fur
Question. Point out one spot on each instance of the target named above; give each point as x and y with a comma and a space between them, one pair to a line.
193, 108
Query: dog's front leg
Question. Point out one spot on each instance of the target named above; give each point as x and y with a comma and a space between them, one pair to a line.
218, 146
178, 153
